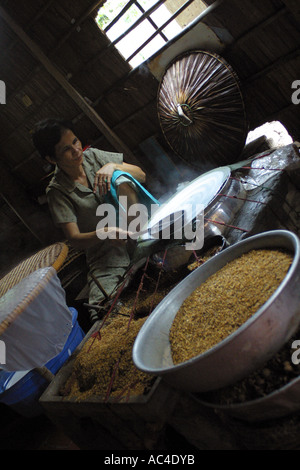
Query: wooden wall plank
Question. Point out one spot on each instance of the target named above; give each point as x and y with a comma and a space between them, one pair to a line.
72, 92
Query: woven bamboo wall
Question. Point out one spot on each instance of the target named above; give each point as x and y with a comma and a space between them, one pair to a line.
264, 51
261, 42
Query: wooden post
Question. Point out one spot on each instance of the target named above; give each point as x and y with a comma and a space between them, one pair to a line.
69, 89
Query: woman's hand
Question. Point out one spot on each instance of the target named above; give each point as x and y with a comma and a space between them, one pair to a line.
103, 177
116, 235
85, 240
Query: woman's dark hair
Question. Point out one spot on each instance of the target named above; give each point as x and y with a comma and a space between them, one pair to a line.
47, 134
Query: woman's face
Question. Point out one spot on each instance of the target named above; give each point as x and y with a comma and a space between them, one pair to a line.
68, 151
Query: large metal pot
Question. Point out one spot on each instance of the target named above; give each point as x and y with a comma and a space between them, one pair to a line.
258, 339
197, 196
215, 193
219, 215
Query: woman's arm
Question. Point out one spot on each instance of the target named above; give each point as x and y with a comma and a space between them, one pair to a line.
133, 170
104, 175
86, 240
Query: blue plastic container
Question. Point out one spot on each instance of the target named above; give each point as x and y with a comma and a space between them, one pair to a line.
23, 396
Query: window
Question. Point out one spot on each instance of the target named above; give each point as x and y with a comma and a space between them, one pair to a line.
139, 28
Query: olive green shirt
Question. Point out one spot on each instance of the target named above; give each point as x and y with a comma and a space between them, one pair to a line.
70, 201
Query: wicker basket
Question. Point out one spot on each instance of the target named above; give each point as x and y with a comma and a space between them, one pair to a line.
51, 256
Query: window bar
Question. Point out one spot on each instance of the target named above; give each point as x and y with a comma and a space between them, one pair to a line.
151, 21
139, 20
180, 10
190, 26
122, 12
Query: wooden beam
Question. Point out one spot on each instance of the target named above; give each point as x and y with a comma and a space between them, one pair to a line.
60, 43
36, 51
272, 67
95, 6
28, 26
255, 30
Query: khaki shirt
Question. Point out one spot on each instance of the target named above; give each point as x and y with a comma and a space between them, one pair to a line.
70, 201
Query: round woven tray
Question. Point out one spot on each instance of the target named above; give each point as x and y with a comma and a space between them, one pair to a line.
51, 256
201, 110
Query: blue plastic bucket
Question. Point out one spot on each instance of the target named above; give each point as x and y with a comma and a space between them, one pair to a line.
22, 390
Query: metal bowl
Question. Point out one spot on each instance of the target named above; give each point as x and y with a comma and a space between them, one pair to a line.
281, 402
257, 340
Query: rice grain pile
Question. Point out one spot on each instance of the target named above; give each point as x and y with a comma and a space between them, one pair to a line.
225, 301
106, 361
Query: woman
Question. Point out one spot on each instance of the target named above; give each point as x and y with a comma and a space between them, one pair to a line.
82, 181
